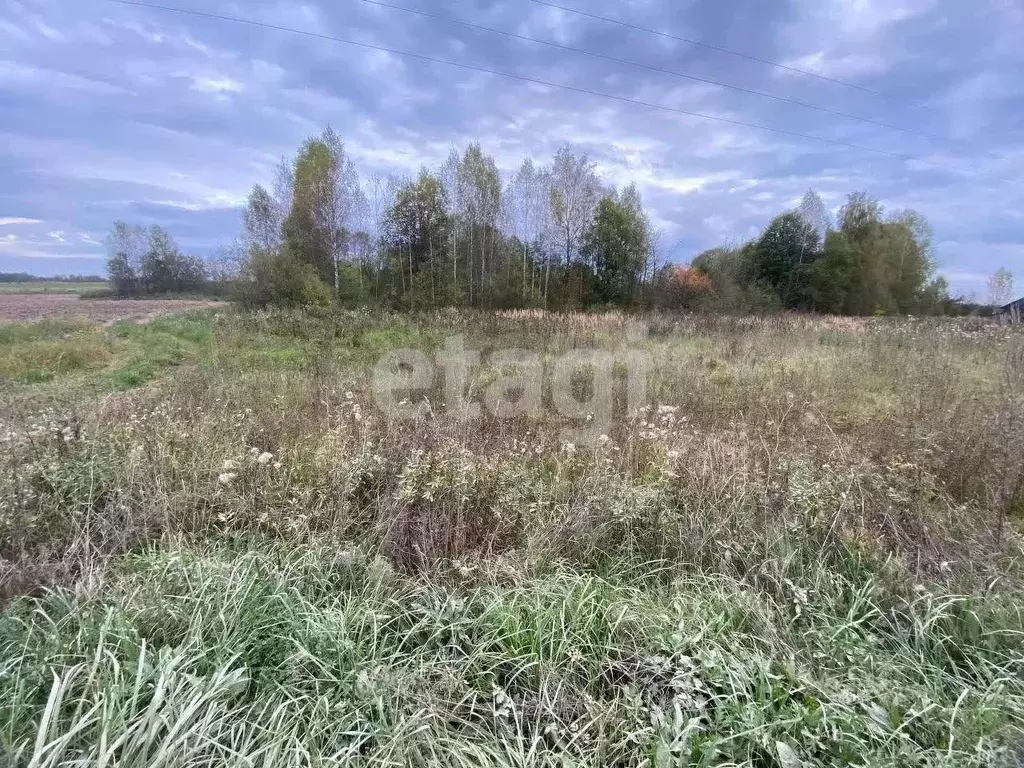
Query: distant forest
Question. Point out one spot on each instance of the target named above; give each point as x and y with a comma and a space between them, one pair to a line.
25, 277
554, 236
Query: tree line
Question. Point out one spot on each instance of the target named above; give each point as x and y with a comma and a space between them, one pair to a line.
461, 235
548, 236
148, 262
25, 277
863, 262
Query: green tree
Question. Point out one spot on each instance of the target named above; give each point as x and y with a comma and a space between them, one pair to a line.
415, 233
165, 269
159, 262
145, 261
735, 280
860, 221
326, 201
307, 236
126, 246
831, 279
935, 298
782, 254
616, 246
260, 221
860, 217
909, 265
276, 278
872, 265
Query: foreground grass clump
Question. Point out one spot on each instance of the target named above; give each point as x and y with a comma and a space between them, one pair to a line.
87, 357
225, 654
803, 550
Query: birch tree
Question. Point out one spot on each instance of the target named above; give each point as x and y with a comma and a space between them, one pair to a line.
326, 198
575, 191
815, 213
530, 196
1000, 287
261, 222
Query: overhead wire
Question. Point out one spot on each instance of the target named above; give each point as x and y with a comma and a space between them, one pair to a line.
653, 68
722, 49
546, 83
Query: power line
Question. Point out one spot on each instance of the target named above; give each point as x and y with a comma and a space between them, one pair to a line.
720, 49
536, 81
652, 68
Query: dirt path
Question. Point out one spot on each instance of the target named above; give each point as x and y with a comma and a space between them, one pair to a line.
28, 307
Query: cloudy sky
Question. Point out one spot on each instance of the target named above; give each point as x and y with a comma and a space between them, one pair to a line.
109, 111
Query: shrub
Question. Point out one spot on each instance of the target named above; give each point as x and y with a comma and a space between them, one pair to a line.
279, 279
98, 293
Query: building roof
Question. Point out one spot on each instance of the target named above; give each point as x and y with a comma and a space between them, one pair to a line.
1019, 303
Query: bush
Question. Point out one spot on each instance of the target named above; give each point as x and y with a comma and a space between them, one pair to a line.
279, 279
98, 293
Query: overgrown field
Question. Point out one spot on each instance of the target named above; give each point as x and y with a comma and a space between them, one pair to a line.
217, 550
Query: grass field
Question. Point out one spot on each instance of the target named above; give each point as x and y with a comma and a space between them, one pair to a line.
49, 286
804, 551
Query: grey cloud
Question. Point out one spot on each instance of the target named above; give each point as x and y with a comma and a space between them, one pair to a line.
169, 119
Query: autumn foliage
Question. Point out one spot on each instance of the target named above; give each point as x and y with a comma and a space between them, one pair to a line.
683, 286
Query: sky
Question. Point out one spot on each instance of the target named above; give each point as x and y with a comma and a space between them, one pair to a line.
115, 112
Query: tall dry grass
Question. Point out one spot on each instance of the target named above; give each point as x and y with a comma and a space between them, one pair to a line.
806, 547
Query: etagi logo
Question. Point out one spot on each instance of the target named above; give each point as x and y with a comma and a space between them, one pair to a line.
588, 387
